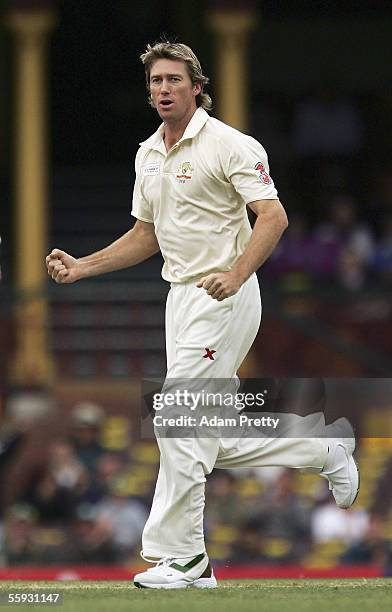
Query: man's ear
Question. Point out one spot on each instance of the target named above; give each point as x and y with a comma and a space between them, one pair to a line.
197, 88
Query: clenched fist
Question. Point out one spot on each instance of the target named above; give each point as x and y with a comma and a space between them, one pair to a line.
63, 268
220, 285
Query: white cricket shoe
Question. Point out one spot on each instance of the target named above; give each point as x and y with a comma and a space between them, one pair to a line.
170, 573
340, 468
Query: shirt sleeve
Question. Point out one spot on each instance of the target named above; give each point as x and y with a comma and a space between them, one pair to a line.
140, 207
245, 164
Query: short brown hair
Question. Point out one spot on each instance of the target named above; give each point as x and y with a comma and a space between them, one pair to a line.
177, 52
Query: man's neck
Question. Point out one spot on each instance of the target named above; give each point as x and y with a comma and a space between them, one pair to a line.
173, 132
171, 136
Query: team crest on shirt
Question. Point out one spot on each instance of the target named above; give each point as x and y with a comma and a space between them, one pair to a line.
184, 171
263, 175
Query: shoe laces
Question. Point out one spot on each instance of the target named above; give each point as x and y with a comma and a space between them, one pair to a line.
164, 562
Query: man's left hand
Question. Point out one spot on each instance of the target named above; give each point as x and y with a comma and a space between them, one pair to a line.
220, 285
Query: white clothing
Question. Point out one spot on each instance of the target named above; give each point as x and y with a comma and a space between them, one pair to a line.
196, 195
331, 523
195, 321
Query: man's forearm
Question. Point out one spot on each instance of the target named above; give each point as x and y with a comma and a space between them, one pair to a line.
130, 249
269, 226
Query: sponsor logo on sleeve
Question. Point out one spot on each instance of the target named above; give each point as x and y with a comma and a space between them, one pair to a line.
263, 175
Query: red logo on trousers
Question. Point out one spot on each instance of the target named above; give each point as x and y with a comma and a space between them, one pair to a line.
209, 354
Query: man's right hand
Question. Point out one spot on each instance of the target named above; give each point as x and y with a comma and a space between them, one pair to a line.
63, 268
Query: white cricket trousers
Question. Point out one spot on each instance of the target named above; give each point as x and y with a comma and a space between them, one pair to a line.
194, 322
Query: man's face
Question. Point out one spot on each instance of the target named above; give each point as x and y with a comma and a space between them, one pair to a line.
172, 91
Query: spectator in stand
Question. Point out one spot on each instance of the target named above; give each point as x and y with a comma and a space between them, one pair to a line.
379, 204
382, 261
61, 485
87, 421
248, 548
123, 517
382, 499
24, 444
109, 467
349, 239
291, 261
284, 516
331, 523
90, 540
20, 543
224, 504
373, 547
11, 440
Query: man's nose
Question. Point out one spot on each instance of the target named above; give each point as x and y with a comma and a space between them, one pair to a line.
165, 87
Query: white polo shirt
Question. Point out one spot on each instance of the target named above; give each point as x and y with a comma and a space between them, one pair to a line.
196, 195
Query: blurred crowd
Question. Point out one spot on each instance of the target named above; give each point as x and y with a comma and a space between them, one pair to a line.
278, 521
334, 171
346, 249
78, 502
74, 505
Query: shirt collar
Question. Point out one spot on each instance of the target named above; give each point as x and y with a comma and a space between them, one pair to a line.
198, 120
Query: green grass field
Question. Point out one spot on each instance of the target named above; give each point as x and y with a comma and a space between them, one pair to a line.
238, 596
